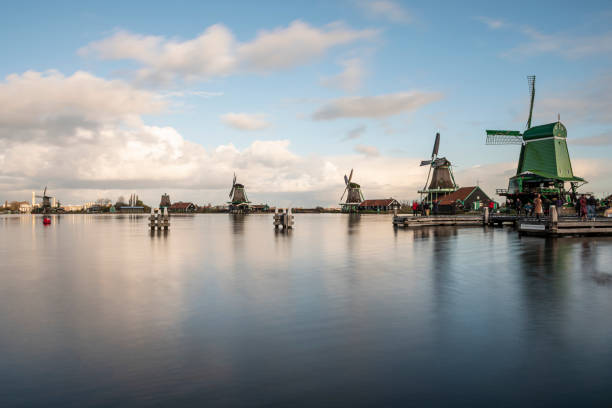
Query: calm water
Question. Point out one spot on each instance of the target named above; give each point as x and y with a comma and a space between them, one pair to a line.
342, 311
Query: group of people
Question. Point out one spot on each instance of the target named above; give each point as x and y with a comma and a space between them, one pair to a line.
424, 208
586, 207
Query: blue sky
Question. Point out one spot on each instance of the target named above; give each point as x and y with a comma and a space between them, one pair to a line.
455, 68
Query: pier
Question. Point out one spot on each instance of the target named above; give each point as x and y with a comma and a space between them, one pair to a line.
556, 226
283, 219
159, 219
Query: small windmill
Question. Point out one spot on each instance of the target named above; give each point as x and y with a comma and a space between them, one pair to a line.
544, 164
240, 202
441, 175
354, 196
46, 201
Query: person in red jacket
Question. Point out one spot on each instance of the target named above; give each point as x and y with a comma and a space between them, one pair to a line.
415, 208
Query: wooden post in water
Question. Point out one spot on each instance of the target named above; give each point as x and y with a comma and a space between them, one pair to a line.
486, 216
554, 218
283, 219
159, 219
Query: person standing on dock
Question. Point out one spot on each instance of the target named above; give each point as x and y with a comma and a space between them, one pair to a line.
415, 208
591, 207
583, 207
537, 203
519, 206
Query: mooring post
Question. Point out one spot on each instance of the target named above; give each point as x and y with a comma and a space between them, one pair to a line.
486, 216
554, 218
166, 221
152, 220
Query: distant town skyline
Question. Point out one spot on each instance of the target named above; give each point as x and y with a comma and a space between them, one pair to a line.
108, 99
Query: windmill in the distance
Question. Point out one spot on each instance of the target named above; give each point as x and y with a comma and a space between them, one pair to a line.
240, 202
45, 206
544, 163
354, 196
441, 175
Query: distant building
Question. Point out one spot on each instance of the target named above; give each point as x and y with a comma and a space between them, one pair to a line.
262, 208
72, 208
165, 201
386, 204
464, 199
131, 209
181, 207
25, 207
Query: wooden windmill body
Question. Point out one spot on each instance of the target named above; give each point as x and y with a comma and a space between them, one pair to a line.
440, 180
354, 197
240, 202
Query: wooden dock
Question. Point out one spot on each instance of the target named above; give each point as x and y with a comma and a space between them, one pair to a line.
409, 221
564, 226
551, 225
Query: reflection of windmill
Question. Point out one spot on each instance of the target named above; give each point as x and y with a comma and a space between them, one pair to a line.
46, 201
544, 163
442, 179
354, 196
240, 202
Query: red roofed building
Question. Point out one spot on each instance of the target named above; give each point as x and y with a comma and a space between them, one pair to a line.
386, 204
464, 199
181, 207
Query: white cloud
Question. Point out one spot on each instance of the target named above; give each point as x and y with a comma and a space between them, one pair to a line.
216, 52
367, 150
51, 102
295, 45
386, 9
245, 121
379, 106
493, 24
355, 133
349, 79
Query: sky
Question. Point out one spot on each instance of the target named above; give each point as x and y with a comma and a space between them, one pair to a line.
106, 99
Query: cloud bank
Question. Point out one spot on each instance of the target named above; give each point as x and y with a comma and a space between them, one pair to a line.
216, 52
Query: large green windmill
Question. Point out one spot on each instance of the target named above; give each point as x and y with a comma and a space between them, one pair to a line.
544, 163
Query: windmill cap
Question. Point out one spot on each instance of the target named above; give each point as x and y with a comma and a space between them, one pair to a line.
555, 129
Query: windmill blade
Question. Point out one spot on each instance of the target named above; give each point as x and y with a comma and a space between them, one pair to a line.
345, 180
344, 192
231, 192
350, 176
45, 192
234, 181
531, 82
436, 147
504, 137
425, 162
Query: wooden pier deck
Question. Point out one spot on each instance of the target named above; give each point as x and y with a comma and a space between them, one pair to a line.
409, 221
564, 226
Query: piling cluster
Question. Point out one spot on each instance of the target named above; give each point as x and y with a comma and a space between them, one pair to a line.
283, 218
159, 219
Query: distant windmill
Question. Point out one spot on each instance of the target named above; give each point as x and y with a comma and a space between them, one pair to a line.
240, 201
46, 201
442, 179
354, 196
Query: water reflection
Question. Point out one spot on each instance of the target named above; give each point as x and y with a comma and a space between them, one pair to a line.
221, 310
